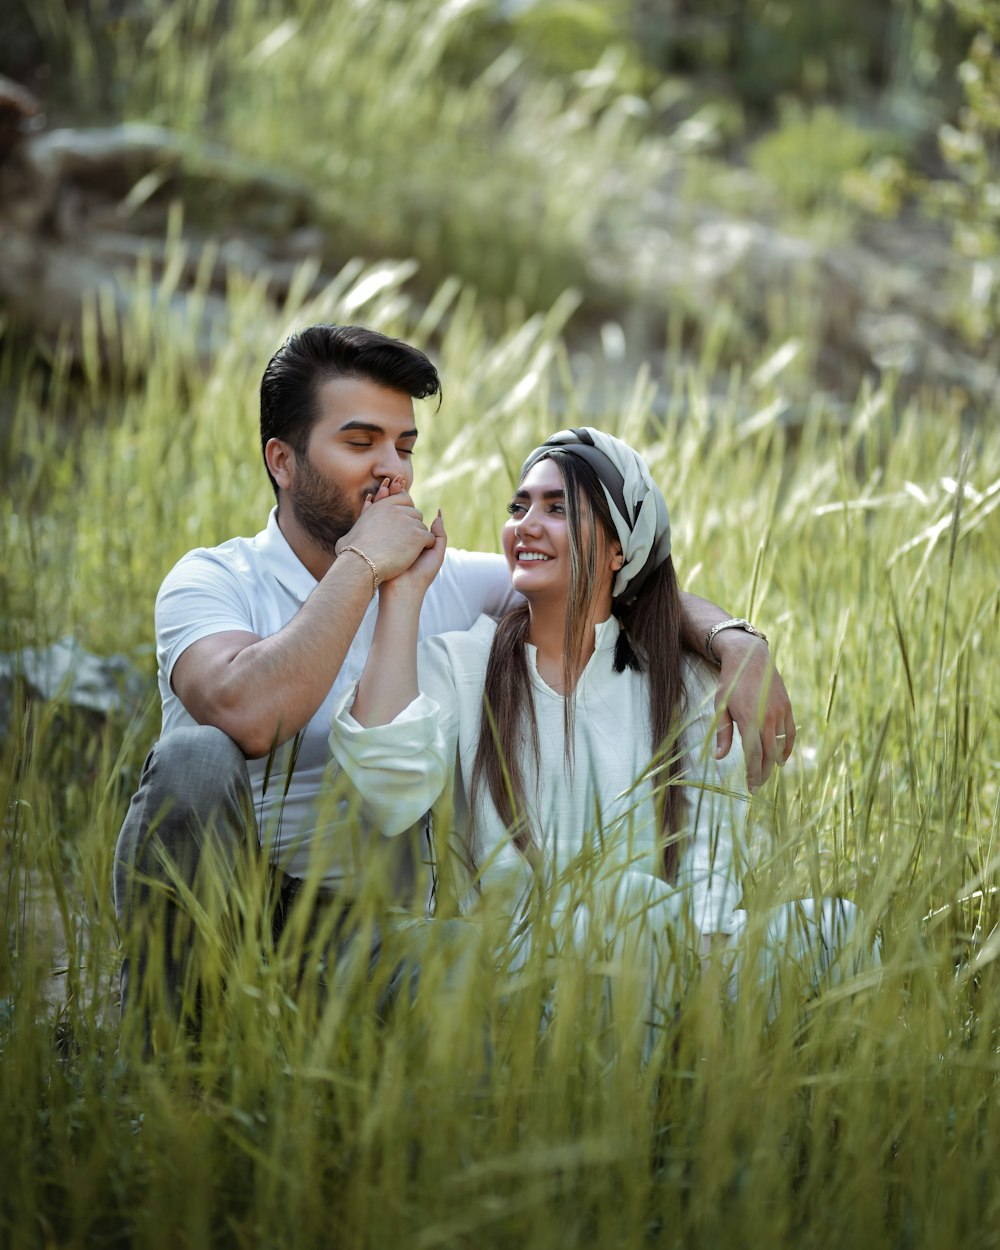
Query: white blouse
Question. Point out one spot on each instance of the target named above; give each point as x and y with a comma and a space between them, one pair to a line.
594, 819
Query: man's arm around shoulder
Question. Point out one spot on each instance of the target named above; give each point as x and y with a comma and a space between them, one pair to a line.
751, 691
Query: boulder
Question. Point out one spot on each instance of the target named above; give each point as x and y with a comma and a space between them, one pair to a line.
98, 686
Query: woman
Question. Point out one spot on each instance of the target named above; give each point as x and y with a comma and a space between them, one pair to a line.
575, 734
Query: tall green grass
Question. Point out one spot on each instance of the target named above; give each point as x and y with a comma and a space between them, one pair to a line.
412, 128
866, 546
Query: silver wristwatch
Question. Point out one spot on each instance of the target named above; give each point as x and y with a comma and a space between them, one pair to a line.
735, 623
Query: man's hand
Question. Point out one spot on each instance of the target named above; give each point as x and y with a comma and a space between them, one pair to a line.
752, 694
390, 530
262, 691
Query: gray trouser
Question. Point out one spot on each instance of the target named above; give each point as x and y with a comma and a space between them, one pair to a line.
188, 827
188, 846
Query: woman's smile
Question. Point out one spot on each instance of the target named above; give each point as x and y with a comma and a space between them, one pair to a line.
537, 534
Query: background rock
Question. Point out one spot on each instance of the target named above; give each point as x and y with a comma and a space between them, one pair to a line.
101, 686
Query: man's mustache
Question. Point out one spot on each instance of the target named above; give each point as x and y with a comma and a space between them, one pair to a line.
370, 492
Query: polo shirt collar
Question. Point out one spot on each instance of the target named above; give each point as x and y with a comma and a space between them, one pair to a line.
282, 562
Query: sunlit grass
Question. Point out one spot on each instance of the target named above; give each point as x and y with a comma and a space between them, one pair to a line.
866, 1116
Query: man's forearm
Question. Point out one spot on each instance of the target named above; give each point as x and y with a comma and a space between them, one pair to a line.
751, 691
265, 692
262, 691
699, 616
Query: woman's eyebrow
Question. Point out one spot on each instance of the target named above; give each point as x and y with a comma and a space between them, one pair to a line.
546, 494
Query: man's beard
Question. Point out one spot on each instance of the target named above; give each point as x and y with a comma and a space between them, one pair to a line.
321, 508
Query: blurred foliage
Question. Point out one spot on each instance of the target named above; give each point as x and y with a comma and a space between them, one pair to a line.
764, 49
755, 51
490, 175
970, 198
570, 36
879, 187
556, 38
809, 157
528, 147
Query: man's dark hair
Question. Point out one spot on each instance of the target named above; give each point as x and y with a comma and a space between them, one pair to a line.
310, 357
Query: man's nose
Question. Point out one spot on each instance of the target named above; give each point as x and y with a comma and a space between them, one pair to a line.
388, 463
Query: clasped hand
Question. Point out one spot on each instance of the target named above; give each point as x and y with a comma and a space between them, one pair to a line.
391, 533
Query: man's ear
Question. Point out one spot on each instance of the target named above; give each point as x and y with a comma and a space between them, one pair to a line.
280, 460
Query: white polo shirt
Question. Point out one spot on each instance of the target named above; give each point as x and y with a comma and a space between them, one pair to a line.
257, 585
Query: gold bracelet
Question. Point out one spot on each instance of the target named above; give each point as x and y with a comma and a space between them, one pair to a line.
371, 564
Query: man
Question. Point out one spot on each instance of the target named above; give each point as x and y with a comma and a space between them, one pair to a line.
256, 638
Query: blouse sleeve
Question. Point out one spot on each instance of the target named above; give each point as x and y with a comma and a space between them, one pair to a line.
712, 862
401, 768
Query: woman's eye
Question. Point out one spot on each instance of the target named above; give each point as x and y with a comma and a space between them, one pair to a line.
404, 451
515, 509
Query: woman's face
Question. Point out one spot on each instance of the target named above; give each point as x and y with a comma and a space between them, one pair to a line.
536, 539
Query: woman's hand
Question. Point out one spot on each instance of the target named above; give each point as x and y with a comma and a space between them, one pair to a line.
389, 682
414, 581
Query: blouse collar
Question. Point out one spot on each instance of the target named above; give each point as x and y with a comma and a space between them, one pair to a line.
605, 637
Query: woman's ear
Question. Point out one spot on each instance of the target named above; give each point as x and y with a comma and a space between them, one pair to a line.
617, 558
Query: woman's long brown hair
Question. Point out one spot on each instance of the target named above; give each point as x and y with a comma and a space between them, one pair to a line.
650, 642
